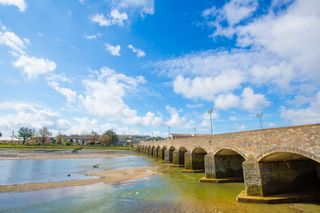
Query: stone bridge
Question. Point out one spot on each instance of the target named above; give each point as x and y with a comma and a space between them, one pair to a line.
276, 165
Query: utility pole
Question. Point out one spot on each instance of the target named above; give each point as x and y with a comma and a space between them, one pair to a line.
12, 136
260, 115
210, 111
195, 131
169, 128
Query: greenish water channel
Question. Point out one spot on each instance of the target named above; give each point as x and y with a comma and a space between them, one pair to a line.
170, 191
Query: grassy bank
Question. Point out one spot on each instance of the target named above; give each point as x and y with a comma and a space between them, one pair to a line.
20, 146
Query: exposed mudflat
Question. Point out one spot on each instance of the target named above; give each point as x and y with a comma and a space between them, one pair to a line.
14, 154
105, 176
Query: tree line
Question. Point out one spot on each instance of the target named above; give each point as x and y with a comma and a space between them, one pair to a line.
44, 136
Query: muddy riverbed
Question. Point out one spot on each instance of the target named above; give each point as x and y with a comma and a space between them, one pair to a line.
140, 184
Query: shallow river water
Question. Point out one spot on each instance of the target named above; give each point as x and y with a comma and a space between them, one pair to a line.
171, 191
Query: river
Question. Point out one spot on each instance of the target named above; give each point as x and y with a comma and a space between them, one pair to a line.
170, 191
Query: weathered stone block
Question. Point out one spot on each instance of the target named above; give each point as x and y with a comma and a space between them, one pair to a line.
252, 179
176, 157
188, 160
209, 166
155, 153
228, 166
198, 161
290, 176
166, 155
160, 153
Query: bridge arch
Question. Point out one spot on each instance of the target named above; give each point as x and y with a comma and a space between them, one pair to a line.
227, 164
149, 150
198, 154
231, 150
157, 151
293, 170
164, 148
288, 150
171, 150
182, 150
153, 150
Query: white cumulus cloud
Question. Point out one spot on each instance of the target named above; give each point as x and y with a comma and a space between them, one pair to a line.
307, 115
104, 96
33, 66
70, 95
113, 49
252, 101
145, 7
26, 114
20, 4
30, 65
207, 87
226, 101
139, 52
114, 18
11, 40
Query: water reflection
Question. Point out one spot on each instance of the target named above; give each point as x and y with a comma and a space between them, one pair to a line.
30, 171
168, 192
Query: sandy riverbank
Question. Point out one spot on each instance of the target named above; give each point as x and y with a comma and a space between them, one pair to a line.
105, 176
13, 154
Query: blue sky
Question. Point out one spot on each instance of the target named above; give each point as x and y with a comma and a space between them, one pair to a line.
139, 66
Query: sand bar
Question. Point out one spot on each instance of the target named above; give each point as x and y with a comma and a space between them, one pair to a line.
11, 154
105, 176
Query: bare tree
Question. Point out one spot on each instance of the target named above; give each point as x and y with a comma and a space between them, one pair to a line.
44, 134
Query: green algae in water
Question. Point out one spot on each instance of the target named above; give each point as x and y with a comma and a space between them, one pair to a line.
171, 191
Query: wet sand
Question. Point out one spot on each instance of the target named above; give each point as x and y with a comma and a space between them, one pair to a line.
105, 176
11, 154
98, 176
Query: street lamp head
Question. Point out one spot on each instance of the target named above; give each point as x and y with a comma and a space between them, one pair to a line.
259, 115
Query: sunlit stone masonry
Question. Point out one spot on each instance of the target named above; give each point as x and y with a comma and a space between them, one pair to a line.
276, 165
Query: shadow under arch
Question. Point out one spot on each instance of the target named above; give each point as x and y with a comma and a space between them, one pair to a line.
163, 150
288, 150
153, 150
171, 150
228, 164
149, 150
181, 152
289, 171
157, 151
198, 154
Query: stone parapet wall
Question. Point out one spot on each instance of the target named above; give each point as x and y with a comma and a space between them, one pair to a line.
304, 140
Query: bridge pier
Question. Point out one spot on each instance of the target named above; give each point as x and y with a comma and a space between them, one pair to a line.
223, 167
167, 156
194, 162
280, 181
155, 153
188, 161
177, 159
160, 153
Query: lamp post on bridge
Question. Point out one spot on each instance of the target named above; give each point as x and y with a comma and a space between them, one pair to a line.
260, 115
210, 111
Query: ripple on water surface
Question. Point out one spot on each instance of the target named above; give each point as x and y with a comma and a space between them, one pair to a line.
171, 191
32, 171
